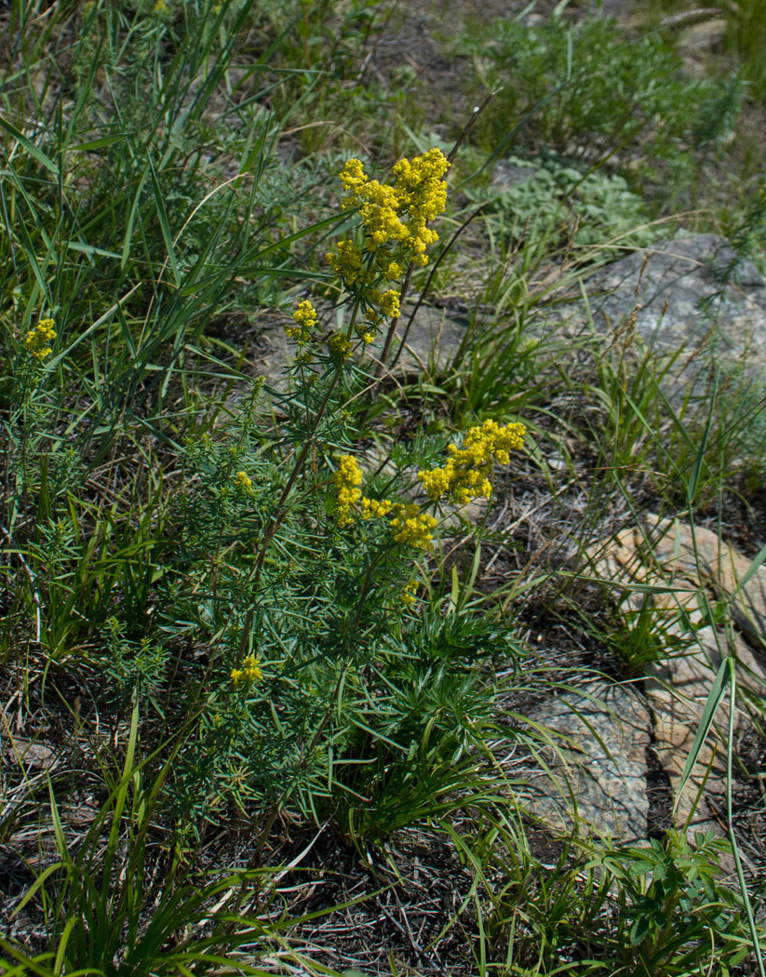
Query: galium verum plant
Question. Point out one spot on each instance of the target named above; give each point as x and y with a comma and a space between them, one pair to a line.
299, 567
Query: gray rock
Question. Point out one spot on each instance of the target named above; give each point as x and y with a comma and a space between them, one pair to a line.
433, 338
507, 172
596, 771
687, 294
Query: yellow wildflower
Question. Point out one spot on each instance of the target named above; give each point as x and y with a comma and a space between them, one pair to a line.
38, 340
347, 479
250, 671
243, 482
306, 318
352, 176
412, 526
340, 345
398, 214
465, 475
375, 508
420, 185
389, 303
409, 594
377, 204
422, 192
346, 262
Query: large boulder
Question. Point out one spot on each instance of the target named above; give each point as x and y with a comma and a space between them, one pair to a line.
593, 772
691, 294
693, 581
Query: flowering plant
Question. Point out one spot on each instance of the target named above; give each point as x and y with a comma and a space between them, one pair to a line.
340, 557
392, 234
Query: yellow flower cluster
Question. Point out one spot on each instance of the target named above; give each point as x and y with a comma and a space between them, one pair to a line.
38, 340
465, 476
409, 594
340, 345
378, 205
400, 213
408, 523
306, 318
346, 262
243, 482
375, 508
412, 526
250, 671
422, 192
347, 479
389, 303
394, 220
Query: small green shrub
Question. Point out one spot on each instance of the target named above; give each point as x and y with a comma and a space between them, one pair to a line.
296, 568
656, 910
587, 91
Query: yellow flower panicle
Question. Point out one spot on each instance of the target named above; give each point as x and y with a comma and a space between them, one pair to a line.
346, 262
306, 319
408, 523
393, 217
422, 192
347, 479
250, 671
411, 525
378, 205
465, 476
389, 303
340, 345
243, 482
395, 227
409, 594
38, 340
420, 184
375, 508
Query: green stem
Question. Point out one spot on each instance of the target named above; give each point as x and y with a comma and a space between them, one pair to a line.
730, 824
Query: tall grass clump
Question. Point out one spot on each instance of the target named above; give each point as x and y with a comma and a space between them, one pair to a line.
746, 37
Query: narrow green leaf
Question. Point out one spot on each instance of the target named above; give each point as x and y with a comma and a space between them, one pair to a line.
37, 884
57, 828
128, 238
694, 477
63, 940
714, 698
90, 249
30, 147
753, 568
101, 143
162, 215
